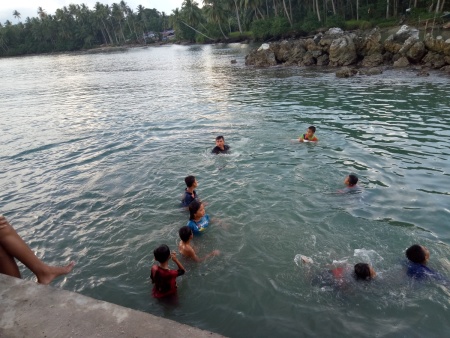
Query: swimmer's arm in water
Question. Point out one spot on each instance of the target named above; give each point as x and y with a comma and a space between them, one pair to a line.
189, 252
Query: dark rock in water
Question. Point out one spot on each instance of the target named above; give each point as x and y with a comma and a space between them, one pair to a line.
346, 72
233, 61
423, 72
446, 69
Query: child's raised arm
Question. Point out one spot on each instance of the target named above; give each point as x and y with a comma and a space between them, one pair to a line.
173, 255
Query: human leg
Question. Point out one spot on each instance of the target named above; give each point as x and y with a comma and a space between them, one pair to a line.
13, 246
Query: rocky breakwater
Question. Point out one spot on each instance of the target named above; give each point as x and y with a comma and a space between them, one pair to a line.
357, 52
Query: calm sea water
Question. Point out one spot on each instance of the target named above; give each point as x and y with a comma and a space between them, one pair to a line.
95, 148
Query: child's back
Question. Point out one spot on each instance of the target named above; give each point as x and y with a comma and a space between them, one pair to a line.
162, 277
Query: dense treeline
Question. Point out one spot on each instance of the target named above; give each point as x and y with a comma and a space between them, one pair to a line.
78, 27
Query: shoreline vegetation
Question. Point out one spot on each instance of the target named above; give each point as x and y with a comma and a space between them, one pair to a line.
114, 26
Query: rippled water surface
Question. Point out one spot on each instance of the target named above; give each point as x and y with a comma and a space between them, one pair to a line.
95, 148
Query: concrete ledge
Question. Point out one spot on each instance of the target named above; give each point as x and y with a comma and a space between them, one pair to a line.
28, 309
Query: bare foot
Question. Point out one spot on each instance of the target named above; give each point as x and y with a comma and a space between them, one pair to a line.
52, 272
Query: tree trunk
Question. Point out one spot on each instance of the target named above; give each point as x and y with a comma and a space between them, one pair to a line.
357, 10
387, 9
318, 11
287, 13
437, 7
237, 16
206, 36
442, 6
334, 8
220, 26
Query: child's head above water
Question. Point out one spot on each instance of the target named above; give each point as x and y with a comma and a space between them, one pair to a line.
162, 253
364, 271
196, 210
417, 254
311, 131
190, 181
185, 233
351, 180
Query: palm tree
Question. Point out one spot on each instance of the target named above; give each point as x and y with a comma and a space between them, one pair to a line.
215, 12
41, 12
16, 15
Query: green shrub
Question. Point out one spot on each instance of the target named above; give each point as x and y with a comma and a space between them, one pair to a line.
310, 24
357, 24
280, 26
261, 29
335, 21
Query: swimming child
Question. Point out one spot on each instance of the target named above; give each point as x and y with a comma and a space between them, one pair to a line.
198, 220
351, 180
339, 276
162, 277
309, 135
185, 246
418, 257
221, 147
189, 193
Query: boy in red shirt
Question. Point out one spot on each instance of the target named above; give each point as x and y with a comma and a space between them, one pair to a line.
162, 277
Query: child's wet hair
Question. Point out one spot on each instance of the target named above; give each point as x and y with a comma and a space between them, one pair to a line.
189, 180
194, 206
416, 254
220, 137
162, 253
352, 179
362, 271
312, 128
185, 233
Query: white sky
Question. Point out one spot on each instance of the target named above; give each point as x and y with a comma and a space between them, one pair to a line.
29, 7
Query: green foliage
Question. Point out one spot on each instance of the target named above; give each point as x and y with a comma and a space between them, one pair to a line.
310, 24
335, 21
357, 24
280, 26
261, 29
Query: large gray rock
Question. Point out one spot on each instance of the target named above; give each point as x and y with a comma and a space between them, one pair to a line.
433, 60
416, 51
308, 59
437, 45
402, 62
372, 60
404, 33
371, 71
343, 51
261, 58
370, 43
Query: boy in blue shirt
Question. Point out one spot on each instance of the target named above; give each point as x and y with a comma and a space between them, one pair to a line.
418, 257
189, 193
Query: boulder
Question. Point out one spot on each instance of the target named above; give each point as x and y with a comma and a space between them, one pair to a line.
323, 60
404, 33
437, 45
433, 60
263, 57
372, 60
423, 72
346, 72
370, 43
416, 51
392, 46
446, 69
282, 51
402, 62
308, 59
343, 51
